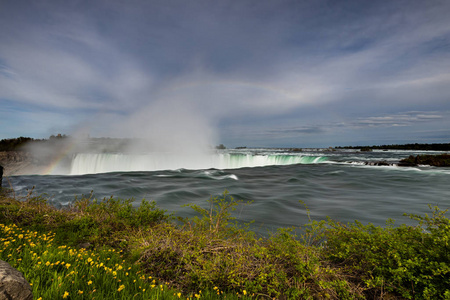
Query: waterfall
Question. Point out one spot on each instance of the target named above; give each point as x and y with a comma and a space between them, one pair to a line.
90, 163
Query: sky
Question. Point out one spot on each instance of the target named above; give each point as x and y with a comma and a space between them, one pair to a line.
240, 73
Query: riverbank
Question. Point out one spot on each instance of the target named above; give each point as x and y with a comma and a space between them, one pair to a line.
211, 253
19, 163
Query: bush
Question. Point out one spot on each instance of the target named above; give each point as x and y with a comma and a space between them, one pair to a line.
211, 252
411, 261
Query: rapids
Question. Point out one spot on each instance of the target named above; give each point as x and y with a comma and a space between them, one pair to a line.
335, 184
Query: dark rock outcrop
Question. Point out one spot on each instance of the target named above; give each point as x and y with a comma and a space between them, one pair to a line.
442, 160
378, 163
13, 286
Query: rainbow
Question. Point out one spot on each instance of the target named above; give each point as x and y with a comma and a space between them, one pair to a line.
64, 152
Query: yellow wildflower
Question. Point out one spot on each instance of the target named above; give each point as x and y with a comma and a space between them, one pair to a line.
66, 293
121, 288
89, 282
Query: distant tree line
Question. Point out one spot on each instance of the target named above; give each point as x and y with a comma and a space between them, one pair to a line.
17, 144
14, 144
416, 146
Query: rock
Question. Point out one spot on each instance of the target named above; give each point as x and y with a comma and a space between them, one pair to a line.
378, 163
441, 160
13, 286
85, 245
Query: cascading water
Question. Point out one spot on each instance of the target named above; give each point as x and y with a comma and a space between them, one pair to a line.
91, 163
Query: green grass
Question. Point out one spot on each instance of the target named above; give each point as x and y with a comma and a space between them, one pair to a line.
143, 253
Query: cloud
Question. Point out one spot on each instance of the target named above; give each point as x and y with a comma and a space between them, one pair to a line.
248, 69
400, 119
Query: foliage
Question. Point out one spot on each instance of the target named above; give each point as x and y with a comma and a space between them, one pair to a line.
217, 220
212, 253
14, 144
62, 272
86, 221
413, 261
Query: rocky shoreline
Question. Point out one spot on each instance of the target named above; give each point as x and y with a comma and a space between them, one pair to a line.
441, 160
19, 163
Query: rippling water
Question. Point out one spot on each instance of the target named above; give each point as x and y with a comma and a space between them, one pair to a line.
338, 185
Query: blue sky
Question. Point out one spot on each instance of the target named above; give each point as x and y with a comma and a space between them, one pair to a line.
242, 73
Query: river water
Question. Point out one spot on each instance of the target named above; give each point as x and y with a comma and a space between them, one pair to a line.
338, 184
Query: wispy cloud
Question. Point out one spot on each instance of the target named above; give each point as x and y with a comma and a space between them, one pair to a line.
247, 69
399, 119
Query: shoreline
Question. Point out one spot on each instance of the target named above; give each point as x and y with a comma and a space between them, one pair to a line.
211, 252
19, 163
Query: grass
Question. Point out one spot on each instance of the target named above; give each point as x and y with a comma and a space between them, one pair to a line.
107, 249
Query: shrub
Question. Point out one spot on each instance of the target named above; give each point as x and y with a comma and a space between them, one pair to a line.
411, 261
213, 251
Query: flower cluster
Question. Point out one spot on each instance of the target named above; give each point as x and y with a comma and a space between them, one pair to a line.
57, 272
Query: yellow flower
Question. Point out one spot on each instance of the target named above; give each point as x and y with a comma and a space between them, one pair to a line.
89, 282
66, 293
121, 288
179, 295
197, 296
80, 292
244, 292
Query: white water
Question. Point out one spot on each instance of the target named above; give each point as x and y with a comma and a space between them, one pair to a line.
90, 163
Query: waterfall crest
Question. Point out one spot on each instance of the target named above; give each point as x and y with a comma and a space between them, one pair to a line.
91, 163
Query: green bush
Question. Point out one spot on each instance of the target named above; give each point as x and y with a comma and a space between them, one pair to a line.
212, 253
413, 261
